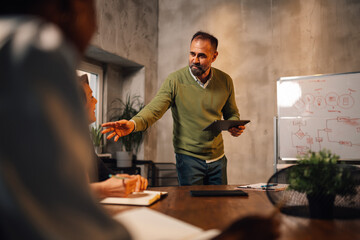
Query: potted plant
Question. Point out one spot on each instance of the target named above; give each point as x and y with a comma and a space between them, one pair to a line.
320, 176
129, 144
96, 137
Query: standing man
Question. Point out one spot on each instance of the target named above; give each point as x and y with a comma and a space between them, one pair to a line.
197, 94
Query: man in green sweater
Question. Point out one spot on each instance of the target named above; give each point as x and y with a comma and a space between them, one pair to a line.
197, 95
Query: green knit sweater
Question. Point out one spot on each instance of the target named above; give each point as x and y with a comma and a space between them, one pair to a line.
193, 108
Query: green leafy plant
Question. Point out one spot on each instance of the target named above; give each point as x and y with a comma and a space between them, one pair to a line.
319, 173
127, 109
96, 136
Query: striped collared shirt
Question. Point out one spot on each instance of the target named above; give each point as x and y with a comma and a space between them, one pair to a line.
203, 85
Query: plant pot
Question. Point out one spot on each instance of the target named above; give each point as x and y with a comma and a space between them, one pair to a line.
321, 206
124, 159
98, 149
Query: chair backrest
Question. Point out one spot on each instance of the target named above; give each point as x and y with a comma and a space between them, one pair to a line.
164, 175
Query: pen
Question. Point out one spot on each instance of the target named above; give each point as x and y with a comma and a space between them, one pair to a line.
269, 185
117, 177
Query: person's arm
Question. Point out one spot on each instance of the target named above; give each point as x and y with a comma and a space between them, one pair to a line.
231, 112
146, 117
118, 129
115, 187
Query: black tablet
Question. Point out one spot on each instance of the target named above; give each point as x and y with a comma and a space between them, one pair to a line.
217, 193
221, 125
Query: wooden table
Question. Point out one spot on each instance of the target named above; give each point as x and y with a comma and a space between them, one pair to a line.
220, 212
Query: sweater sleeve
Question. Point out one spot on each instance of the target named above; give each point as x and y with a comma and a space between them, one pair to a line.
157, 107
230, 110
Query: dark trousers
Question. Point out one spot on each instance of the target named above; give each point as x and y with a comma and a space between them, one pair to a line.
194, 171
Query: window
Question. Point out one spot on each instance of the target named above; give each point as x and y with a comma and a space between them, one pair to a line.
95, 76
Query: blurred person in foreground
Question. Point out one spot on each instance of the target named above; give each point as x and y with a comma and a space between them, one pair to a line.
45, 149
103, 186
253, 227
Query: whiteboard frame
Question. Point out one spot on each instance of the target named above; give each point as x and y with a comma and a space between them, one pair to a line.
286, 161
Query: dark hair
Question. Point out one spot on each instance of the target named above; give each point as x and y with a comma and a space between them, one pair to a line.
30, 6
83, 80
203, 35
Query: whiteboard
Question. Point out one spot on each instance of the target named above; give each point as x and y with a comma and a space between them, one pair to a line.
317, 112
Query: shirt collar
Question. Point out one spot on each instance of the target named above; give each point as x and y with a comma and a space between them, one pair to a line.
203, 85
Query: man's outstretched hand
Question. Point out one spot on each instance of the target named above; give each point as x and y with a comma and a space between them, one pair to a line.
118, 129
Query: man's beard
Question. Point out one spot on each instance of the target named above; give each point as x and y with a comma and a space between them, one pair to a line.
198, 71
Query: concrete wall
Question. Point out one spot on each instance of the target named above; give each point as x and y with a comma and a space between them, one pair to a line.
259, 41
126, 43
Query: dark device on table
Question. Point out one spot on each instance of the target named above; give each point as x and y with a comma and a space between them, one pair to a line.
221, 125
217, 193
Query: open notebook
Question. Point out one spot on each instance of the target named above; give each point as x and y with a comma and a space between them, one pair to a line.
147, 224
145, 198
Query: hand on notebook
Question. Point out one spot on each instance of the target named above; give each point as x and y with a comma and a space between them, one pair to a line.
141, 183
126, 186
119, 185
236, 131
115, 187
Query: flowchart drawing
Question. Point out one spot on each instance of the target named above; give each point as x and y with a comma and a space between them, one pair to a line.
324, 114
332, 102
343, 131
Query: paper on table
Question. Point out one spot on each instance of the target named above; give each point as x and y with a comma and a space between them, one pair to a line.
264, 186
147, 224
144, 198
